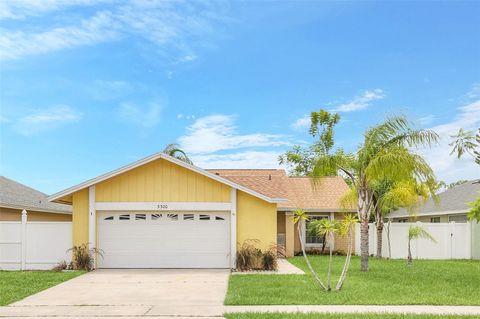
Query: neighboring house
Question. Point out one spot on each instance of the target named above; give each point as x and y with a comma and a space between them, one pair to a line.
451, 206
160, 212
15, 197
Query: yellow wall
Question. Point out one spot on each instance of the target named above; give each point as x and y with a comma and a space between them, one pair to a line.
160, 181
80, 217
256, 219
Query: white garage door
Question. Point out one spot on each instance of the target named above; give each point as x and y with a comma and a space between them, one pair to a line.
164, 240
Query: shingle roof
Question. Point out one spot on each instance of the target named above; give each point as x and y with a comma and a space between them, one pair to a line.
16, 195
452, 201
301, 192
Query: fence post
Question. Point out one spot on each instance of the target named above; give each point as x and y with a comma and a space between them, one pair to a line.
469, 239
452, 238
24, 239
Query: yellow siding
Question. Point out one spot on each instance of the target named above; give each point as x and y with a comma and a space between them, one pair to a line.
256, 219
80, 217
160, 181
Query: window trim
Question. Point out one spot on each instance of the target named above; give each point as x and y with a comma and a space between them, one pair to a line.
432, 218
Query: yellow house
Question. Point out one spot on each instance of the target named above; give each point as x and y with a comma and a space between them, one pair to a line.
160, 212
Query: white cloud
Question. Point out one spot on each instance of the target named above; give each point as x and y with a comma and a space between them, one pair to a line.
46, 119
109, 89
426, 120
447, 167
301, 123
218, 132
21, 9
144, 116
179, 116
247, 159
169, 25
474, 92
361, 101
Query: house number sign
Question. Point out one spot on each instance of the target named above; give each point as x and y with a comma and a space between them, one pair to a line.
162, 206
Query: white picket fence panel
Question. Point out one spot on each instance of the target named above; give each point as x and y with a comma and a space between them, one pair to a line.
34, 245
454, 241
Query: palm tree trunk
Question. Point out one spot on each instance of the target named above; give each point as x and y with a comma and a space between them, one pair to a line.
379, 233
346, 264
363, 216
329, 287
409, 258
302, 245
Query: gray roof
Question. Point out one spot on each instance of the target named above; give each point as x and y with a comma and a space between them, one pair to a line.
452, 201
16, 195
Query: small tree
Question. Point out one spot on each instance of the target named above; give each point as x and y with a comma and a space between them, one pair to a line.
415, 232
474, 212
299, 218
327, 228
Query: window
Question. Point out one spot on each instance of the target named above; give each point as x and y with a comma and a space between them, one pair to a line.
156, 216
124, 217
219, 218
108, 218
204, 217
403, 220
313, 239
172, 216
457, 218
435, 219
188, 216
140, 217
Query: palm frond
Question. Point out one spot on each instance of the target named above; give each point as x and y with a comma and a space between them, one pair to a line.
419, 232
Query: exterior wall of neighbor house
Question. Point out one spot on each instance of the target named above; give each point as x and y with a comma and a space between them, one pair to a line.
161, 180
281, 223
256, 219
80, 217
10, 214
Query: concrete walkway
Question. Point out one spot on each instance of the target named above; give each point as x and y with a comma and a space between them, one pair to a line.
284, 268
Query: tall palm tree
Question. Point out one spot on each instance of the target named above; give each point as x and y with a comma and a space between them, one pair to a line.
386, 153
464, 142
174, 150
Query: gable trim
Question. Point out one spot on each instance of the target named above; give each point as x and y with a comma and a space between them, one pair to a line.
171, 159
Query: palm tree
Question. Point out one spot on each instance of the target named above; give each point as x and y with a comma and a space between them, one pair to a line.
386, 153
464, 142
174, 150
347, 228
299, 218
415, 232
328, 228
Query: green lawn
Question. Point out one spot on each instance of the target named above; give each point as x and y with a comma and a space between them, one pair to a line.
279, 315
16, 285
389, 282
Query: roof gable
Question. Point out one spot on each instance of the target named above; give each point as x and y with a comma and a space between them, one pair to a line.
63, 194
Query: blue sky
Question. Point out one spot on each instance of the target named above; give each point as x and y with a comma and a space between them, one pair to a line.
87, 86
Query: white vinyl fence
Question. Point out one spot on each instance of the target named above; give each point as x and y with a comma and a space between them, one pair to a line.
454, 241
34, 245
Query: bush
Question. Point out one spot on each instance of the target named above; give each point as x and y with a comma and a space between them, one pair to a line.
82, 257
62, 265
249, 257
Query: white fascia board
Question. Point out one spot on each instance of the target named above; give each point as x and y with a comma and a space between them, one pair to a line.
171, 159
317, 210
162, 206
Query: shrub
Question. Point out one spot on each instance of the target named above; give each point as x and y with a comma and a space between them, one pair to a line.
62, 265
82, 257
249, 257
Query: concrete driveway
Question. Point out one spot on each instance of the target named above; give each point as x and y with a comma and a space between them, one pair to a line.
123, 293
